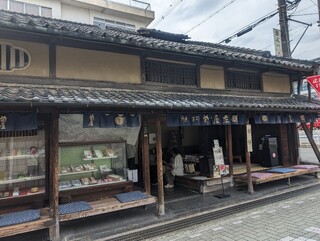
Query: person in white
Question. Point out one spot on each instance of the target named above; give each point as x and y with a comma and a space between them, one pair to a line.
175, 169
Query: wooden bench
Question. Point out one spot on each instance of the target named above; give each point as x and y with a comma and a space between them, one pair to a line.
107, 205
279, 176
44, 222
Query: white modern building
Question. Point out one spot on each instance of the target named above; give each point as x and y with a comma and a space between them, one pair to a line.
131, 14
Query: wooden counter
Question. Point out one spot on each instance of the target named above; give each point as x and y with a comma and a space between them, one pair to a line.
201, 184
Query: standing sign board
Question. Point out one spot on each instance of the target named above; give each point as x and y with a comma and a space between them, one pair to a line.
220, 169
218, 156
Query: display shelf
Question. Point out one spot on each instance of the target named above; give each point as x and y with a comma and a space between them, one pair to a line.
4, 158
99, 158
98, 155
24, 179
91, 185
74, 173
29, 194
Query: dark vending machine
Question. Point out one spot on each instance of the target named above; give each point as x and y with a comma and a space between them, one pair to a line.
269, 151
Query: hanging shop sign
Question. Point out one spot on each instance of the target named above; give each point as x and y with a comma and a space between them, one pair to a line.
100, 119
284, 118
11, 121
205, 119
314, 81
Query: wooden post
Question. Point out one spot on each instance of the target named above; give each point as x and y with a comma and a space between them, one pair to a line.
161, 210
145, 159
54, 232
248, 165
313, 144
230, 154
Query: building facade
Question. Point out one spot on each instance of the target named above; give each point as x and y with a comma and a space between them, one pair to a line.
78, 102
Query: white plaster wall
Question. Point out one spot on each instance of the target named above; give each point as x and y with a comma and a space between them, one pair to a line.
75, 14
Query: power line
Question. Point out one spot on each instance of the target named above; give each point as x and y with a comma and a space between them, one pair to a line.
295, 7
168, 11
212, 15
257, 22
249, 27
314, 3
305, 14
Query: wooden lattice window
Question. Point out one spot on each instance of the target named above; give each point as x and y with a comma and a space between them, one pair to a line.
170, 73
236, 79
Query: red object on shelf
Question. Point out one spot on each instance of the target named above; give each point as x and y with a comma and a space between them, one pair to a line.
23, 192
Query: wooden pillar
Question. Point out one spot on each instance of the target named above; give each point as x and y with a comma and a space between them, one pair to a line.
299, 86
145, 159
284, 143
313, 144
248, 160
161, 210
54, 232
229, 153
309, 92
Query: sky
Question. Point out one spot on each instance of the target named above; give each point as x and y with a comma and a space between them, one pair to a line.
192, 17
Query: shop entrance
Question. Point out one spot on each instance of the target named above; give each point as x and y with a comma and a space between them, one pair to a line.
195, 145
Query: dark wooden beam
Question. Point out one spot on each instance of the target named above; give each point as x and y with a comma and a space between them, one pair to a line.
229, 151
309, 92
299, 86
54, 230
248, 167
52, 60
143, 69
309, 136
161, 210
145, 159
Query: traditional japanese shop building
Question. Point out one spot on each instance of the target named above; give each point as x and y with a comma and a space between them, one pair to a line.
77, 102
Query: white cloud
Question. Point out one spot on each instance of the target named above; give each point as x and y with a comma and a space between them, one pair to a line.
237, 15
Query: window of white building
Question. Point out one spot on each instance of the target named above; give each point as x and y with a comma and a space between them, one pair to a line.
102, 23
3, 4
21, 7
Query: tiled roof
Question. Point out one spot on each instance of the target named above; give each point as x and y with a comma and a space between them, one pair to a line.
146, 41
73, 96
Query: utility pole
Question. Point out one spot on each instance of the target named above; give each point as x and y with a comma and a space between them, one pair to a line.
283, 21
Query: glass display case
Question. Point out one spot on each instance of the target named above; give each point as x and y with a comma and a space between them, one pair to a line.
95, 164
22, 163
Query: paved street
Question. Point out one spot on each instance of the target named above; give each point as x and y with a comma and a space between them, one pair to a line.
295, 219
307, 155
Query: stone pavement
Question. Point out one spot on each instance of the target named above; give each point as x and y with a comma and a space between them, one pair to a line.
189, 206
117, 223
296, 219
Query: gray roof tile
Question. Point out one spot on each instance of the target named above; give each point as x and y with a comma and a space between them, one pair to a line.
63, 96
126, 37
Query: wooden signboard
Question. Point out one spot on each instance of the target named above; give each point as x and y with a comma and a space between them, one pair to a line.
249, 138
